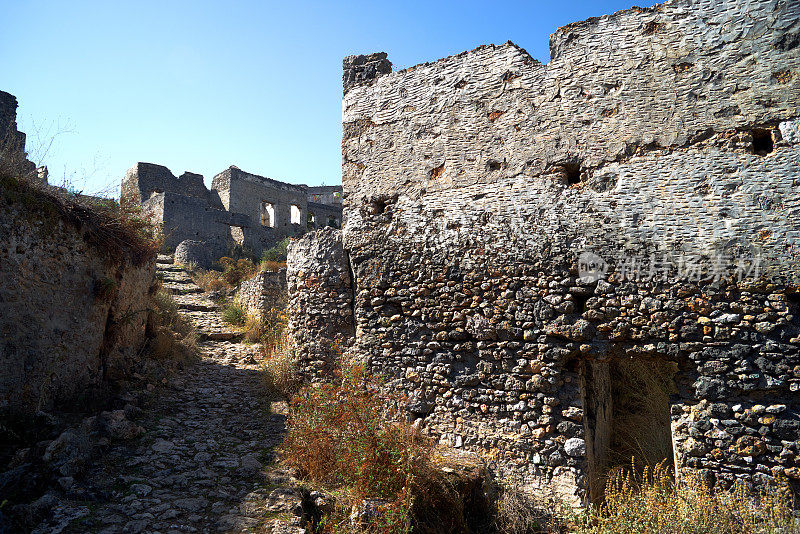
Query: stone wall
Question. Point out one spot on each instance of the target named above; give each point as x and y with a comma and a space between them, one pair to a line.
325, 194
324, 215
184, 217
320, 302
362, 69
144, 180
72, 313
265, 291
558, 262
12, 142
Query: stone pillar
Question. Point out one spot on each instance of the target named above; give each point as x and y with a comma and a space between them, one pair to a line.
320, 288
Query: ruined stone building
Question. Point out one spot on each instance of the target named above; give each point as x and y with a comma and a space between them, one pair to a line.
240, 208
566, 265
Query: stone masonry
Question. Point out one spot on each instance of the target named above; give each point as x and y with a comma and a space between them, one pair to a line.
566, 265
320, 307
72, 312
264, 291
240, 209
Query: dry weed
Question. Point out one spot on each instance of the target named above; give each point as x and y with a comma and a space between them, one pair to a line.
342, 435
171, 336
653, 503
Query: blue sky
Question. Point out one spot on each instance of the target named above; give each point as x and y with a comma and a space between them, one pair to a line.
203, 85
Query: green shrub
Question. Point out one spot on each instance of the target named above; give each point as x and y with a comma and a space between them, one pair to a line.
276, 253
233, 314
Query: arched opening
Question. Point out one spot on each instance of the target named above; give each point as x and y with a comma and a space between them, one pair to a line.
295, 214
268, 214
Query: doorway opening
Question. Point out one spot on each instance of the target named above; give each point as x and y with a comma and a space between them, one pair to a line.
626, 417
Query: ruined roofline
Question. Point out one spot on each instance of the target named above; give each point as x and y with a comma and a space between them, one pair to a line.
235, 172
330, 207
141, 168
320, 188
559, 40
147, 166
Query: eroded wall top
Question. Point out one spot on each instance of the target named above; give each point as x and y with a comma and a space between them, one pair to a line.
617, 85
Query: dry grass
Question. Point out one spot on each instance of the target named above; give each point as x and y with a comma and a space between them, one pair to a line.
280, 367
171, 336
232, 274
273, 266
519, 512
210, 280
653, 503
235, 271
253, 327
342, 436
120, 232
281, 375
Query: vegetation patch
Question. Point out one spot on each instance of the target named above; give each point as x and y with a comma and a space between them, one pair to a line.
280, 367
171, 336
652, 502
341, 435
120, 232
277, 253
234, 315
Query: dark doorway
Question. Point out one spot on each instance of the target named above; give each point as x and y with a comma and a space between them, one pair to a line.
626, 417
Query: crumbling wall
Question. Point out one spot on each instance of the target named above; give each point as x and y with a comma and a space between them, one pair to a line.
320, 308
321, 215
325, 194
144, 180
265, 291
185, 217
362, 69
13, 157
512, 226
72, 313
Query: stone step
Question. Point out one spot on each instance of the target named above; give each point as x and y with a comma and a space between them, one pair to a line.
219, 335
195, 299
168, 267
181, 277
195, 306
183, 289
164, 259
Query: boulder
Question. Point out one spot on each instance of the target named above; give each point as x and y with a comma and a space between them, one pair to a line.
203, 254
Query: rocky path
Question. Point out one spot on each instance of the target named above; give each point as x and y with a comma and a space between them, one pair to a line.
205, 461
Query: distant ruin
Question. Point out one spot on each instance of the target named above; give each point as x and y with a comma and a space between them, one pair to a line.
241, 209
566, 265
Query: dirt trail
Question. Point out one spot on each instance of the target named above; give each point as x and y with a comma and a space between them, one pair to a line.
205, 462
